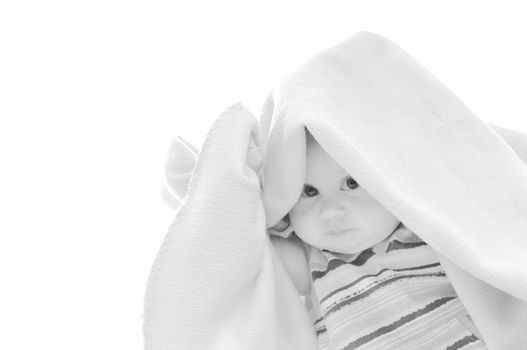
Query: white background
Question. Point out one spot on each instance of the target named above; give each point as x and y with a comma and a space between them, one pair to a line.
93, 92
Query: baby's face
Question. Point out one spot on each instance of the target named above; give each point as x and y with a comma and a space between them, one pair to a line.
334, 212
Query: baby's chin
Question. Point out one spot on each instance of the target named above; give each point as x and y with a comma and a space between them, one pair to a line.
351, 243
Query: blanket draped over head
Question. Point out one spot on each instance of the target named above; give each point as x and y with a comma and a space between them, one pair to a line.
456, 181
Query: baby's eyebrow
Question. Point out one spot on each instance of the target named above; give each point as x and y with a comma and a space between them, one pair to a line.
345, 176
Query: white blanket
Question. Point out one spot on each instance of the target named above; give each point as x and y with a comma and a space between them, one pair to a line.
456, 181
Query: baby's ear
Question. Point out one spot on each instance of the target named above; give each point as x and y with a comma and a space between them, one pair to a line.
277, 230
180, 161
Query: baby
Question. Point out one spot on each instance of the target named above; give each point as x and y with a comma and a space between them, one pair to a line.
368, 282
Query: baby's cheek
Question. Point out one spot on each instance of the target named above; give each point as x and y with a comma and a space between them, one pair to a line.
300, 217
300, 208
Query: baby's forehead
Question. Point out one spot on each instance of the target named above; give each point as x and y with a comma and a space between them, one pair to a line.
314, 150
310, 140
313, 147
319, 162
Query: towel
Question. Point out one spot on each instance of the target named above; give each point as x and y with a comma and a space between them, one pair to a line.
453, 179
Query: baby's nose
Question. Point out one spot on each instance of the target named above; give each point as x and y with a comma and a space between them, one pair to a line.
332, 210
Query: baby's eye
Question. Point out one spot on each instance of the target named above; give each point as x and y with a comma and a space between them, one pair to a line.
351, 183
309, 191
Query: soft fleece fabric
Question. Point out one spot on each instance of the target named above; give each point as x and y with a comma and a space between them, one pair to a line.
456, 181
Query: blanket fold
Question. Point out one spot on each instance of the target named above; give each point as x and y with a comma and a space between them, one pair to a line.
456, 181
216, 282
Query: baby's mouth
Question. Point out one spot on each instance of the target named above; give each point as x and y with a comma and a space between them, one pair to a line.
338, 233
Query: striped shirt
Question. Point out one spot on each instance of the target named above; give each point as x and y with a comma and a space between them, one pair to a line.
394, 295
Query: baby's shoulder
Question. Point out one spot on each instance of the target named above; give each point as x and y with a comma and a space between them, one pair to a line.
404, 234
293, 254
405, 249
